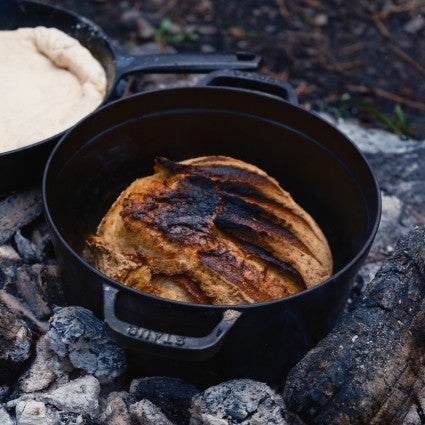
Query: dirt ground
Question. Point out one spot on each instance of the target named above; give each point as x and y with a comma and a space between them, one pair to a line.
351, 58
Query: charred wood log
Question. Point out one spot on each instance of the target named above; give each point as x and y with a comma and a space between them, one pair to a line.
18, 210
371, 368
15, 344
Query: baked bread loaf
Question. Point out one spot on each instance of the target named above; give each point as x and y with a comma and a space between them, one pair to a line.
210, 230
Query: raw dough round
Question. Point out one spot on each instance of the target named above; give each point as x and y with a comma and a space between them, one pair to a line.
48, 82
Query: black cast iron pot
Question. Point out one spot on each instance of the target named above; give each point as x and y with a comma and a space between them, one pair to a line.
20, 168
322, 169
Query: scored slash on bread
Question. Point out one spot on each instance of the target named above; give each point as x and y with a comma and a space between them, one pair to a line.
212, 230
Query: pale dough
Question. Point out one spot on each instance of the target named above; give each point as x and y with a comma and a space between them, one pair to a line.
48, 82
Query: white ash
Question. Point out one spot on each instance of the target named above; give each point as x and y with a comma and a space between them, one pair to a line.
115, 409
46, 369
144, 412
77, 334
8, 255
239, 401
5, 418
33, 412
80, 396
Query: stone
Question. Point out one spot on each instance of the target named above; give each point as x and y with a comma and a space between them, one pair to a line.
77, 334
144, 412
15, 343
239, 401
18, 210
171, 395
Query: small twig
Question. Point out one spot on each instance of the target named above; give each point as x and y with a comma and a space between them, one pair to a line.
283, 10
387, 95
407, 59
127, 89
314, 4
346, 66
283, 75
305, 89
351, 48
399, 52
380, 26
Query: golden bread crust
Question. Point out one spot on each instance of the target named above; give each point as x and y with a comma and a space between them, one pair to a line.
211, 230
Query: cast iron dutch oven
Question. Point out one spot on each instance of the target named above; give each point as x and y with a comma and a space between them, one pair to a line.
323, 170
23, 167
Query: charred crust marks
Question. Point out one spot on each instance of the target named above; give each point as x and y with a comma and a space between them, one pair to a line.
184, 213
197, 204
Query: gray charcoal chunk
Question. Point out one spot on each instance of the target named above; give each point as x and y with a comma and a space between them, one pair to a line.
47, 368
17, 211
80, 396
76, 333
239, 401
5, 418
49, 284
27, 283
115, 411
8, 276
144, 412
172, 395
4, 393
15, 343
31, 412
28, 250
8, 255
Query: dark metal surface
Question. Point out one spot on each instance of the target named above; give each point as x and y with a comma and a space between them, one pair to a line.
159, 342
23, 167
318, 165
251, 81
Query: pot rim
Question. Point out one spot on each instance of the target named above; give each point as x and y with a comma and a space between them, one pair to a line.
111, 282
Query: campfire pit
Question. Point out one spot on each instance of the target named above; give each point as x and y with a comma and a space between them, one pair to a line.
58, 366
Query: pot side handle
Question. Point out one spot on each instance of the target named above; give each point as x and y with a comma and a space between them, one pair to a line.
251, 81
183, 62
162, 343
